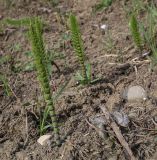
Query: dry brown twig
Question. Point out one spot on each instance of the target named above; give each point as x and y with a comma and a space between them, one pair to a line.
117, 132
96, 128
27, 134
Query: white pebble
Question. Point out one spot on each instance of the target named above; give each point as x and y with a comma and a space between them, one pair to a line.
45, 139
104, 26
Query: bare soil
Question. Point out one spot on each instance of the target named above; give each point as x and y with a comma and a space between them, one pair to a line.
19, 114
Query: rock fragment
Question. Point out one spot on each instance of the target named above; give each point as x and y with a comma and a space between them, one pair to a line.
44, 140
121, 118
134, 93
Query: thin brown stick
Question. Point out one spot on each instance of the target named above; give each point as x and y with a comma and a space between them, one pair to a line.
96, 128
27, 134
117, 132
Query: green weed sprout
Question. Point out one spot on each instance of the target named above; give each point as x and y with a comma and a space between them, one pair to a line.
79, 50
35, 34
80, 78
135, 32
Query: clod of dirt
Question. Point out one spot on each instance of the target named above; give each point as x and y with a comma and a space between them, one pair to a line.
121, 118
44, 140
135, 93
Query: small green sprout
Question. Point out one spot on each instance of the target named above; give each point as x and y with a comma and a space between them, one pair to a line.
79, 77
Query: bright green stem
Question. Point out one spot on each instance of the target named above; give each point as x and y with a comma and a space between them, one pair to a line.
35, 34
78, 45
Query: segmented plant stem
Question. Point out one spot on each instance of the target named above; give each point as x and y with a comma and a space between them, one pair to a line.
135, 32
40, 62
78, 45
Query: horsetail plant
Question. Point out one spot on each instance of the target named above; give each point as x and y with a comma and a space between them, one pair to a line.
35, 34
77, 43
135, 32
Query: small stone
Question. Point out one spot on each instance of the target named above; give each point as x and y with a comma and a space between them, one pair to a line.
132, 115
44, 140
121, 118
103, 27
99, 121
135, 93
145, 54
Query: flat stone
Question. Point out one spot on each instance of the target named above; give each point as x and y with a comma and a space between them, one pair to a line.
44, 140
121, 118
99, 121
135, 93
